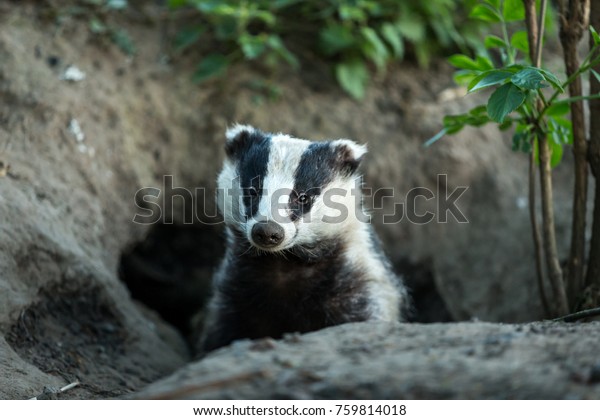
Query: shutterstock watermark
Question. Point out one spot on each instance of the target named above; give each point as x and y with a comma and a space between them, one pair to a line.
419, 205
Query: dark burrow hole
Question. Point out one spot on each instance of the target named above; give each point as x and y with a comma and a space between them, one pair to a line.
428, 304
171, 271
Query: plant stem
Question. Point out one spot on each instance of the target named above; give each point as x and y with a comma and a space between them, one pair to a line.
536, 238
532, 30
593, 270
535, 54
573, 20
548, 230
540, 39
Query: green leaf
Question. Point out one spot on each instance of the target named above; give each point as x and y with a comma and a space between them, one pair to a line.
97, 27
486, 13
174, 4
556, 151
517, 141
267, 17
349, 12
529, 78
374, 48
595, 36
521, 141
335, 38
520, 41
494, 3
551, 78
596, 75
508, 123
504, 100
352, 77
489, 78
252, 45
493, 41
212, 65
478, 111
513, 10
412, 28
462, 61
393, 38
464, 77
277, 45
484, 63
187, 37
282, 4
557, 109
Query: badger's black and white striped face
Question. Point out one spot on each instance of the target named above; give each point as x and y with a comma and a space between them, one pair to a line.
281, 192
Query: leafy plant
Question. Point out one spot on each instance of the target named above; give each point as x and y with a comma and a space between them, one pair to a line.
352, 35
528, 98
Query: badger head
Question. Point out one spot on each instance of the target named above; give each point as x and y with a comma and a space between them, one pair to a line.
283, 193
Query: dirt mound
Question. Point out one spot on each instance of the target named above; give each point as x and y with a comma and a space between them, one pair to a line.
78, 335
411, 361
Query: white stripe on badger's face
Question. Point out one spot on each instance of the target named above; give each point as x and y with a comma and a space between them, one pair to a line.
284, 158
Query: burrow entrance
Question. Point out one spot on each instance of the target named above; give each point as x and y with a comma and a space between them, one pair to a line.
171, 272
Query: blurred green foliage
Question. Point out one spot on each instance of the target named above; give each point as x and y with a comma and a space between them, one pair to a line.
524, 97
354, 36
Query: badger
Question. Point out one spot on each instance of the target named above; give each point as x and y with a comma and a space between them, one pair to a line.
300, 253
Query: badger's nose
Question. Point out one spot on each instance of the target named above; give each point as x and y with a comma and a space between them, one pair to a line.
267, 234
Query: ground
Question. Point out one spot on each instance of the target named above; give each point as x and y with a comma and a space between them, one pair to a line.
88, 295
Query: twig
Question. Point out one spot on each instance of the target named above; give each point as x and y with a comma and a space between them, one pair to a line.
536, 237
579, 315
538, 45
548, 228
50, 392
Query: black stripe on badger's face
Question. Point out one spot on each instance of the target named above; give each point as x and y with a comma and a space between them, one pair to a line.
253, 168
320, 163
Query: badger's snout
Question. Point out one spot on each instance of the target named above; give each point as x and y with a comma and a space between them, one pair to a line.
267, 234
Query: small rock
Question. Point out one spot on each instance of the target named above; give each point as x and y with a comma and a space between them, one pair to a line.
262, 345
75, 128
73, 74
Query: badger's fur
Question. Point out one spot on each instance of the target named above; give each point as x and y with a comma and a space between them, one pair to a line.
293, 262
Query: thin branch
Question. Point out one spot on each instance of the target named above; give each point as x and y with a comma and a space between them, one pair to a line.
51, 393
574, 19
579, 315
535, 34
540, 39
536, 237
532, 30
549, 232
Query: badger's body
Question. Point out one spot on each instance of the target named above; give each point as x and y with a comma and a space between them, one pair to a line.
300, 255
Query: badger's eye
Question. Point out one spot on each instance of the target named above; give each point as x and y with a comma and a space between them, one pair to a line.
252, 191
302, 198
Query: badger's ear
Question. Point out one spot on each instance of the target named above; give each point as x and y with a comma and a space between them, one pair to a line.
238, 137
349, 155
